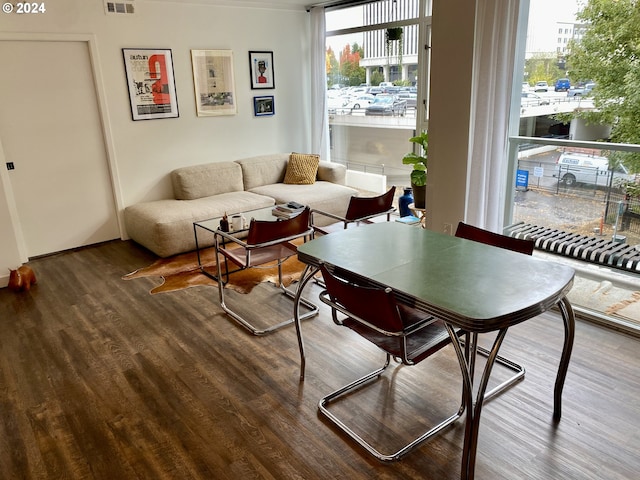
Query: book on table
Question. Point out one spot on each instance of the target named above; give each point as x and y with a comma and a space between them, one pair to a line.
409, 219
288, 210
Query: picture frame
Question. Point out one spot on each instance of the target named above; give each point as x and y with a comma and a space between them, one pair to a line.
151, 83
263, 106
261, 68
213, 82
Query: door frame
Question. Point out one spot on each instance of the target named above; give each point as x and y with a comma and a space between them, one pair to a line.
105, 123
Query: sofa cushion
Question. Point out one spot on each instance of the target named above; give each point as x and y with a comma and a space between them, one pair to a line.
263, 170
302, 169
332, 172
200, 181
166, 226
325, 196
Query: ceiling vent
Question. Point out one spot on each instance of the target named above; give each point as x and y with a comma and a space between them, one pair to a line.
117, 7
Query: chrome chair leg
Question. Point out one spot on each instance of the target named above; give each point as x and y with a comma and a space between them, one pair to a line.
470, 352
517, 377
384, 457
313, 309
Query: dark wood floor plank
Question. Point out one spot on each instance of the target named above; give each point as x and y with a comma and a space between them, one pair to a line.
101, 380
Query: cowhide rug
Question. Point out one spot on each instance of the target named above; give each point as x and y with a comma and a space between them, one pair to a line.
182, 271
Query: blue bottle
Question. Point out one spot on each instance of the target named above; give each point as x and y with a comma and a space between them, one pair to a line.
404, 201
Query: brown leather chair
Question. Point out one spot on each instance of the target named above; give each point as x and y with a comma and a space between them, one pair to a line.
266, 242
477, 234
519, 245
402, 332
359, 210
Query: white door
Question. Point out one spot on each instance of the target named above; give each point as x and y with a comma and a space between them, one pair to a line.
50, 131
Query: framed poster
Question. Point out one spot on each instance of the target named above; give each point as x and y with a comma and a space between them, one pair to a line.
152, 86
263, 106
261, 67
213, 82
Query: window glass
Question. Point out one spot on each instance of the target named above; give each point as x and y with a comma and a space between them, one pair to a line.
342, 18
576, 152
375, 77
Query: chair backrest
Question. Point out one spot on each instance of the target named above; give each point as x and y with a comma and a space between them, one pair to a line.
376, 306
360, 207
263, 231
477, 234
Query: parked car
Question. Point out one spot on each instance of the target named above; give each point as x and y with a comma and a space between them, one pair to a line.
411, 98
356, 103
526, 87
353, 91
532, 100
562, 85
541, 87
335, 104
581, 91
387, 105
392, 90
576, 168
412, 89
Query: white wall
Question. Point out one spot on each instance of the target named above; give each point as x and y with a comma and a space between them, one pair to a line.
144, 152
449, 111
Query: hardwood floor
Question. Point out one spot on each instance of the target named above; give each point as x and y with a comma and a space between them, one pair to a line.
99, 379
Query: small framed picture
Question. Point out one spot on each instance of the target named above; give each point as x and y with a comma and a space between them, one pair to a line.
261, 67
263, 106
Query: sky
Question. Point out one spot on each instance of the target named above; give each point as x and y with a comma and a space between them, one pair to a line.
543, 18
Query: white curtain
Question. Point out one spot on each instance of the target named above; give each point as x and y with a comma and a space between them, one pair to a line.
496, 32
320, 119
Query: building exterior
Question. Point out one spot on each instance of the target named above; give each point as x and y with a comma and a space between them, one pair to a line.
568, 31
382, 56
393, 67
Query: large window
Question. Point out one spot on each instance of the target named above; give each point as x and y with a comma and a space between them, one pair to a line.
573, 144
377, 84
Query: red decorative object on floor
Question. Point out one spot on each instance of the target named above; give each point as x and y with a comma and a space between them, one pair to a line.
21, 279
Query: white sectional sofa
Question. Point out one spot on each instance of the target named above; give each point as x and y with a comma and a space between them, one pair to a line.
207, 191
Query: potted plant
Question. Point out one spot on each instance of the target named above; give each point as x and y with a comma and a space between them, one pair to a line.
419, 172
394, 35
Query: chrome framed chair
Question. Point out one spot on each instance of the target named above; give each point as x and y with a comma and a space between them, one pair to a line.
359, 210
266, 242
519, 245
406, 334
477, 234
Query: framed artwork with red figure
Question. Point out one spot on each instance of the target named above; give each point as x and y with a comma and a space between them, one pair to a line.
152, 86
261, 67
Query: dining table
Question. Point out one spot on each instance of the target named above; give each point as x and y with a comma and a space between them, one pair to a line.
469, 285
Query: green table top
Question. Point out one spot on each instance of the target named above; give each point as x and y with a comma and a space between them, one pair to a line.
471, 285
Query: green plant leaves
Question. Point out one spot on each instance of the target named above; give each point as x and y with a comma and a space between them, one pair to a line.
419, 162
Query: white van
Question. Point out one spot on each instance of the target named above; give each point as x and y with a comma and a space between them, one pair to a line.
576, 168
